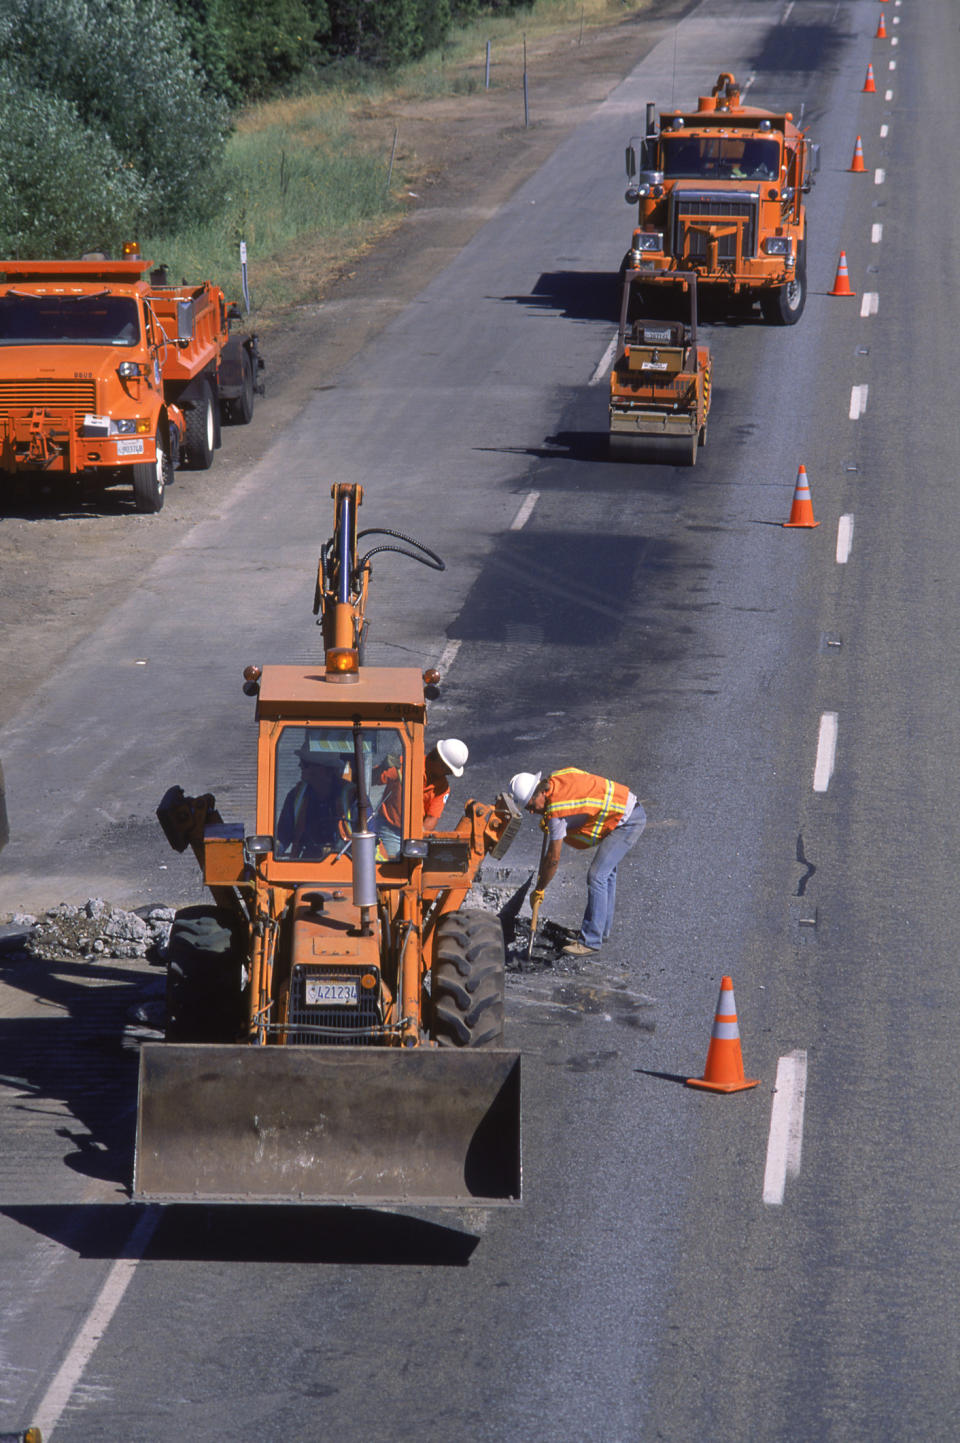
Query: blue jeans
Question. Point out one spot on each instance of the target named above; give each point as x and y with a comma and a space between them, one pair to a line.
602, 877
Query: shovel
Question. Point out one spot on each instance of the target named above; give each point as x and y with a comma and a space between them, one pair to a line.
510, 910
535, 905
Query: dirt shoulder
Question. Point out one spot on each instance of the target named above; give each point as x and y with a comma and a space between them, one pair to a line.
62, 567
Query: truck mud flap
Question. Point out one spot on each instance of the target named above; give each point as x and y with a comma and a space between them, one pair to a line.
336, 1125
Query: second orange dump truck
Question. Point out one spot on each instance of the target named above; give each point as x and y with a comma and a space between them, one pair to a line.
719, 189
107, 370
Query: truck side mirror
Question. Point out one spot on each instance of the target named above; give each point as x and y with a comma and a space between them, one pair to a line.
631, 159
184, 322
814, 150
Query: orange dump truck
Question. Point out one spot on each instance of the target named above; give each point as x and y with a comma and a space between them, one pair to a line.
719, 191
660, 381
106, 370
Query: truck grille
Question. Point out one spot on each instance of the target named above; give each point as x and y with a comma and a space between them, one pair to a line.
713, 207
81, 396
348, 1026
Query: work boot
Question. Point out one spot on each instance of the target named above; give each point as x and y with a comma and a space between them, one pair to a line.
579, 949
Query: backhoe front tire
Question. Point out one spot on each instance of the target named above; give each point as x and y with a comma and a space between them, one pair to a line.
467, 982
205, 1001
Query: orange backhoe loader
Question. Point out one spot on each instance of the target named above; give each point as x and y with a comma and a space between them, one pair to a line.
335, 1017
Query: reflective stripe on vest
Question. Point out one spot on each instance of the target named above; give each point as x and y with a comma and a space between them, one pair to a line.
573, 793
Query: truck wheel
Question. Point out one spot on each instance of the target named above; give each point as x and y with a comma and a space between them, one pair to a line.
205, 1001
151, 479
784, 306
239, 410
201, 428
467, 981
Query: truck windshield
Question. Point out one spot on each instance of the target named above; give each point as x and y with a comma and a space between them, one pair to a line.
315, 800
27, 320
713, 157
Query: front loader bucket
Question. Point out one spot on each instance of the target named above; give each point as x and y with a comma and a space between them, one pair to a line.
360, 1125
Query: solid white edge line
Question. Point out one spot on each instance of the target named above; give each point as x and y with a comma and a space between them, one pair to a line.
785, 1139
71, 1370
523, 515
826, 751
604, 363
844, 538
448, 656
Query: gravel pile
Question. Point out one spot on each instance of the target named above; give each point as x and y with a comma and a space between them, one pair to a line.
94, 930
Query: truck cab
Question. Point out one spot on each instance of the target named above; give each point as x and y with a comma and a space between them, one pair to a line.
719, 190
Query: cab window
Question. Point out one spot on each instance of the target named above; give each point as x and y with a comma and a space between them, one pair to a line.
316, 807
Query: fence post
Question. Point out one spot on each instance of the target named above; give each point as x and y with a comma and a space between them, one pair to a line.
393, 152
526, 92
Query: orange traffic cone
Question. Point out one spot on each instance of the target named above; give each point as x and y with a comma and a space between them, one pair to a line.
868, 84
801, 512
724, 1067
857, 161
841, 285
881, 30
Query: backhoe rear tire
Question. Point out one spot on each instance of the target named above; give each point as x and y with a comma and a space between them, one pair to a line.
467, 982
205, 1001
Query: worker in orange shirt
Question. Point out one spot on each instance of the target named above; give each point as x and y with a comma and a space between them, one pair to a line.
447, 759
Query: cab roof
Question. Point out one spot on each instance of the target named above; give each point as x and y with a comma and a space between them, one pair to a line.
307, 693
127, 271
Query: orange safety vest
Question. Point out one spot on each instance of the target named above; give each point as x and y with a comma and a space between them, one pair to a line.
574, 793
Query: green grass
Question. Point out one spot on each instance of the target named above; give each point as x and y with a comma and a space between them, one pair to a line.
280, 183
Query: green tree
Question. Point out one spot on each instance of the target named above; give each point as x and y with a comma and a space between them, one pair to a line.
253, 48
123, 71
63, 187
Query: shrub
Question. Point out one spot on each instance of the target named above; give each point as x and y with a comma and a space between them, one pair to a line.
115, 75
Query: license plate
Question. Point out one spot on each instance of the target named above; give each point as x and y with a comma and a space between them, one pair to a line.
129, 448
331, 994
654, 366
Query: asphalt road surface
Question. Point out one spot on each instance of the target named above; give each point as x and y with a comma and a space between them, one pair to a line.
779, 1264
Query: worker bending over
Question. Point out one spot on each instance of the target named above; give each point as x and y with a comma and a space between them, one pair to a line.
583, 810
447, 759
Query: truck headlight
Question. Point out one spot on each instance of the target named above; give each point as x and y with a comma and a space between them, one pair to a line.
778, 245
124, 428
648, 240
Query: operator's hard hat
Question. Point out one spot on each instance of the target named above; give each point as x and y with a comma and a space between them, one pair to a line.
318, 755
523, 786
453, 753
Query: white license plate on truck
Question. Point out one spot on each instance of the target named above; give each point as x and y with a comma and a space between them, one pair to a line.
129, 448
331, 994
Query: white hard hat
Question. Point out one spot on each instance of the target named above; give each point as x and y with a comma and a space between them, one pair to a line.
453, 753
523, 786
